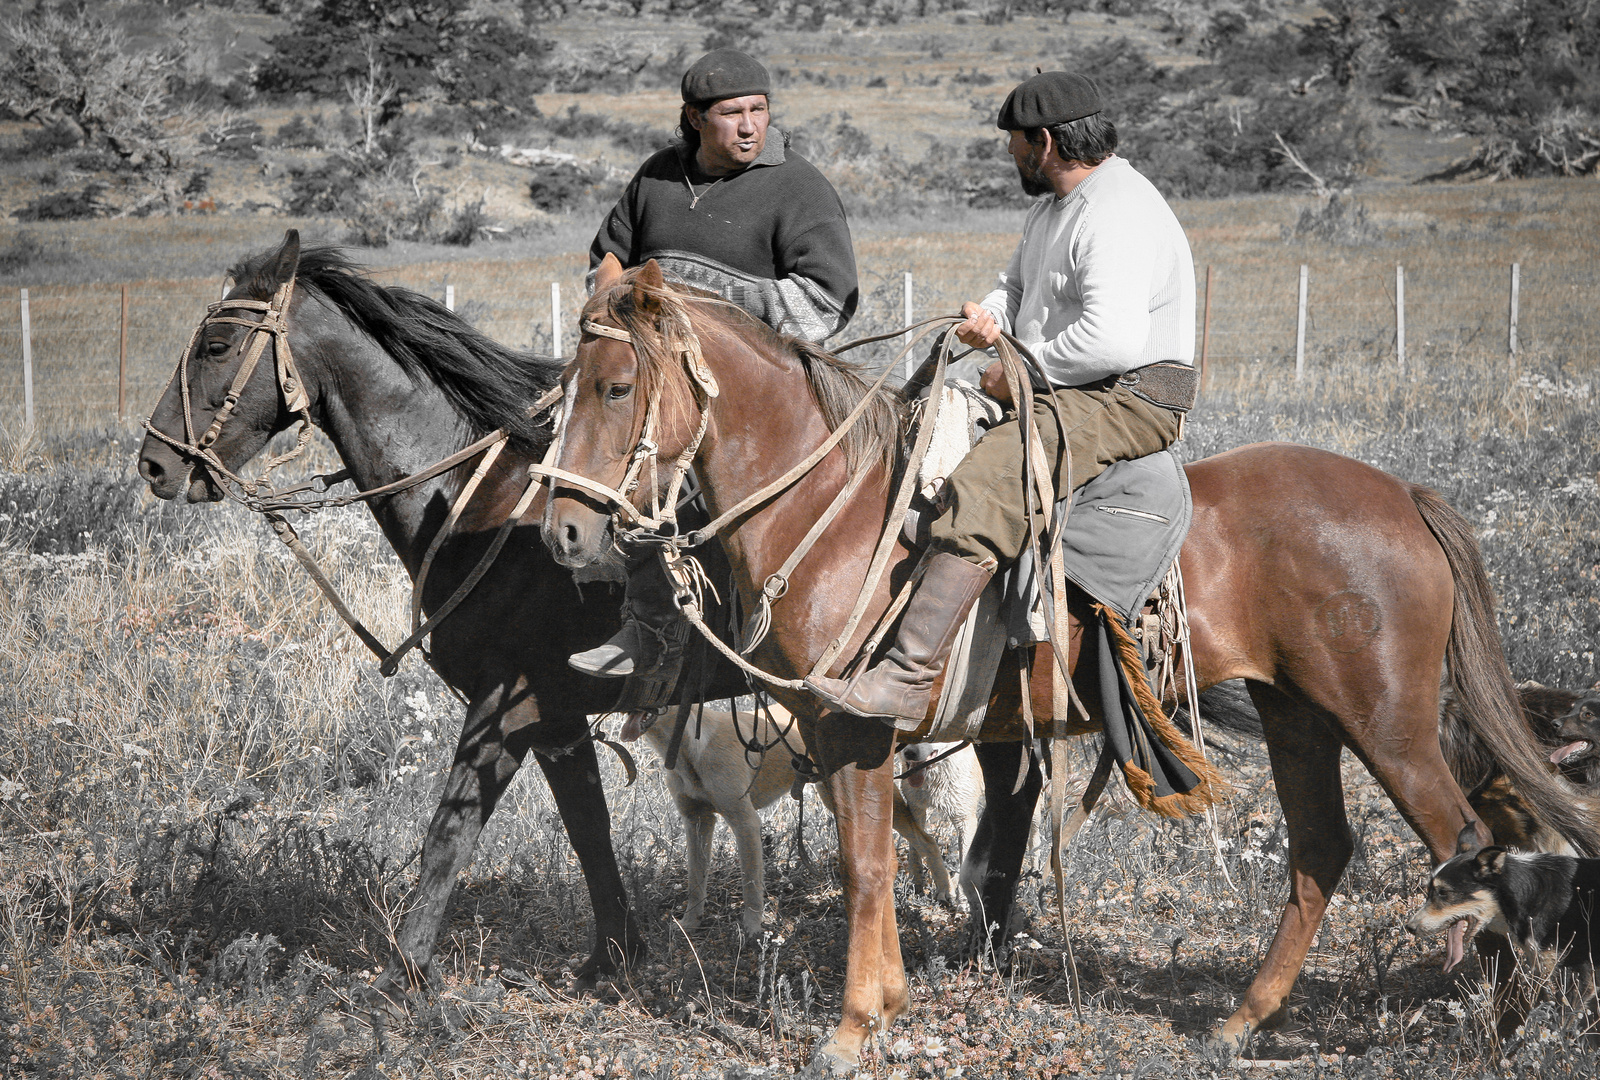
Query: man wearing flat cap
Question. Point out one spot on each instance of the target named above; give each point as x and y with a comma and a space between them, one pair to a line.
1101, 291
732, 210
729, 209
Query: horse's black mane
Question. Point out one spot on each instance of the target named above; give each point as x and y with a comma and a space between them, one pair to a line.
491, 385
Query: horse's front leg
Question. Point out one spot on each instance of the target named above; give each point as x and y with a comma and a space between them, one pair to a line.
875, 982
575, 782
482, 769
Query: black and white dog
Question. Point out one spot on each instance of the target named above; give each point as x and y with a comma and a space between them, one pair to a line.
1539, 901
1579, 734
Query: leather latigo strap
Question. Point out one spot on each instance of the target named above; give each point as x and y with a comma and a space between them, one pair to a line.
1170, 384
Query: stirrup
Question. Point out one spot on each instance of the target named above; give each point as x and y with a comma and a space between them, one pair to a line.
652, 688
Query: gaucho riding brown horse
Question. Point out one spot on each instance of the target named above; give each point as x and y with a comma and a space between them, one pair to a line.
398, 382
1337, 591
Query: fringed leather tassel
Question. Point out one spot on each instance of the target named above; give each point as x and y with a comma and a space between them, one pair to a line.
1211, 789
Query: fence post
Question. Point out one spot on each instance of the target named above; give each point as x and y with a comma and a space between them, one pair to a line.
1205, 330
450, 297
1400, 314
1300, 328
122, 361
1516, 289
555, 318
911, 361
27, 361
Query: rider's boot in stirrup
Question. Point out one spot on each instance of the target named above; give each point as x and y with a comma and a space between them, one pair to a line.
651, 638
901, 687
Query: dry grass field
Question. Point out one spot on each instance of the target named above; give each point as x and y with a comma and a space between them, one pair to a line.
211, 804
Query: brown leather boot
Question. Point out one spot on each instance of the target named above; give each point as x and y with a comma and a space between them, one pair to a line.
901, 687
651, 635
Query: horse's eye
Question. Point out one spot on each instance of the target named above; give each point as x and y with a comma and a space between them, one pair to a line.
218, 348
619, 391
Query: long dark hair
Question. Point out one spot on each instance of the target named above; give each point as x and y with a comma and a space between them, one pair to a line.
686, 133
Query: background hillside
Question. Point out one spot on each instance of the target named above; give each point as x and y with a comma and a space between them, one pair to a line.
396, 117
211, 804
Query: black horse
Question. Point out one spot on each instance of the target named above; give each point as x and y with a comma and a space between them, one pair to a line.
398, 382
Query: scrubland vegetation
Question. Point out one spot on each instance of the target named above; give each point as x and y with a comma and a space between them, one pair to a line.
211, 804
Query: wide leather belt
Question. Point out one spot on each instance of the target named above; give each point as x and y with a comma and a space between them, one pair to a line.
1170, 384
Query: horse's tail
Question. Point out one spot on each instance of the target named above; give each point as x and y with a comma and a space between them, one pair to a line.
1487, 726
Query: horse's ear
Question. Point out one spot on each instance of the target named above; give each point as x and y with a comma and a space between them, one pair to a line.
648, 284
287, 260
608, 273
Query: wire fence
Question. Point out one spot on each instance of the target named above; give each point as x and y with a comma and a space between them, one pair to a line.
75, 331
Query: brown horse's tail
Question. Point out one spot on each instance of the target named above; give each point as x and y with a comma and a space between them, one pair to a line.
1487, 729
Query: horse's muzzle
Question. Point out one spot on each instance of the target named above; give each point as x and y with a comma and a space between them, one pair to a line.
576, 536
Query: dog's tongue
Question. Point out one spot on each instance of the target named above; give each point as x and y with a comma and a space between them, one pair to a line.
915, 779
632, 727
1455, 949
1562, 753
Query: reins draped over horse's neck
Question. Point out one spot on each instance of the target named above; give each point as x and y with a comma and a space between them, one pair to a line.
678, 314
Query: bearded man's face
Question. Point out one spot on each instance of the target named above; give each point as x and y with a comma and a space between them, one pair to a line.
1029, 158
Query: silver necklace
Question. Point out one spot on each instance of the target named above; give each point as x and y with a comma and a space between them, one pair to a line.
694, 199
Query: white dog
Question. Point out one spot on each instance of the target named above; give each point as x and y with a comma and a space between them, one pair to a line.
714, 775
952, 788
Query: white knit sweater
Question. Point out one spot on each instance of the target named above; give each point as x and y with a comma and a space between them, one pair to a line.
1102, 281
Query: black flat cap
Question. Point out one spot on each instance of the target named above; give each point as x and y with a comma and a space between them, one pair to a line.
1053, 97
725, 73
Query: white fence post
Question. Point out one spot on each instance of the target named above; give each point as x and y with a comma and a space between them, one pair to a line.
1516, 289
555, 318
1400, 314
27, 361
1300, 328
450, 297
911, 361
122, 360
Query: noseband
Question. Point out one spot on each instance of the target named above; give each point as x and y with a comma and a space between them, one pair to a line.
662, 520
273, 329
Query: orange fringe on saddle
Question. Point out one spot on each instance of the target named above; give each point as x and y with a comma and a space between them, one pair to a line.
1211, 789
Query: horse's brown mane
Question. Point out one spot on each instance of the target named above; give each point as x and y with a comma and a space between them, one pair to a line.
837, 385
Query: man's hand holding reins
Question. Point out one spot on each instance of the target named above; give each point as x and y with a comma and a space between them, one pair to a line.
980, 331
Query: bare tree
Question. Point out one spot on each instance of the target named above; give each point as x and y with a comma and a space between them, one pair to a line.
1289, 155
79, 72
370, 93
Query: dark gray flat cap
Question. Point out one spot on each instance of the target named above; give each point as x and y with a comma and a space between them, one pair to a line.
1053, 97
725, 73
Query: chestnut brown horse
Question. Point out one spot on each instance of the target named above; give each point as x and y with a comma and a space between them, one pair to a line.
1337, 591
398, 382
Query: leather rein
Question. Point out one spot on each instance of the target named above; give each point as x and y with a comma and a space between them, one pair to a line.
262, 497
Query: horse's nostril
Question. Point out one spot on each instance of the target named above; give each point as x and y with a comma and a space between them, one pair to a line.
569, 535
151, 470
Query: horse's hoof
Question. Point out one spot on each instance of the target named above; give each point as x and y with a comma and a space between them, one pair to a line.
381, 1004
604, 964
828, 1061
1233, 1037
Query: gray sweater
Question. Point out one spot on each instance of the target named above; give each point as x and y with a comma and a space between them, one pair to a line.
771, 238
